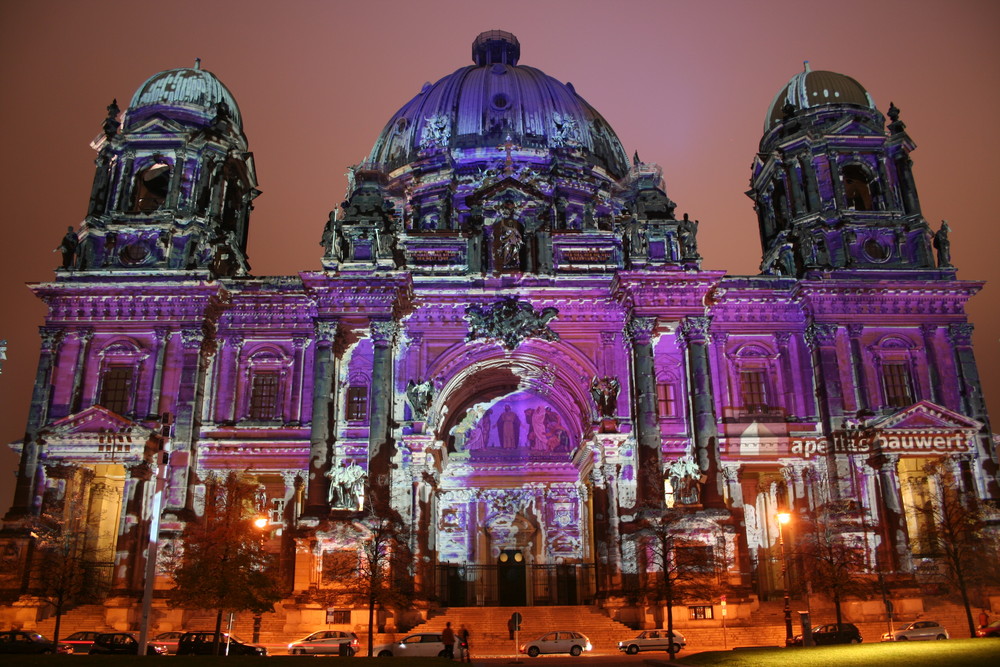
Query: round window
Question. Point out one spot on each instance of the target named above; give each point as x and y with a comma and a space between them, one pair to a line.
500, 101
134, 253
876, 250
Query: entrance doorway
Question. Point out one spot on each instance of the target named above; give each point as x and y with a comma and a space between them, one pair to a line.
511, 578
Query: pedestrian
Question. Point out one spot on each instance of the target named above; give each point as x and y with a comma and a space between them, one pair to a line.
510, 626
448, 639
463, 637
984, 618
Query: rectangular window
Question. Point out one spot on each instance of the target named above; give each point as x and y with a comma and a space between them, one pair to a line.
700, 612
357, 404
338, 616
694, 558
666, 400
264, 395
896, 382
277, 512
753, 391
116, 389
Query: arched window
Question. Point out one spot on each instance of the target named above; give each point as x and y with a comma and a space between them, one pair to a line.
150, 189
857, 187
751, 373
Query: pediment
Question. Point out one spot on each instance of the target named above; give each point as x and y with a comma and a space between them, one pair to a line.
157, 124
97, 424
506, 186
926, 416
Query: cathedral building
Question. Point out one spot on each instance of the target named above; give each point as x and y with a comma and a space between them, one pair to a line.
512, 345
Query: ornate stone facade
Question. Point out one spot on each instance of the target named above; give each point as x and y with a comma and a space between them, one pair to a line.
512, 344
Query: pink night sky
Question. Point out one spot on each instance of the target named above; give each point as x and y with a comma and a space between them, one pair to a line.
687, 84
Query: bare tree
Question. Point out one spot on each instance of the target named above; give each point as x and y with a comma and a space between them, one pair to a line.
378, 573
222, 564
958, 538
834, 562
679, 565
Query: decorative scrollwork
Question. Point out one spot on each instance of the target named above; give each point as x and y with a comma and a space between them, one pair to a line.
510, 322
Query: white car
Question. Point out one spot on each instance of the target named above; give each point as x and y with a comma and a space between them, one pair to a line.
422, 645
653, 640
563, 641
917, 630
326, 642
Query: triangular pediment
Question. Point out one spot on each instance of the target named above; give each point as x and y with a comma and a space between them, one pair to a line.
926, 416
97, 421
505, 186
97, 434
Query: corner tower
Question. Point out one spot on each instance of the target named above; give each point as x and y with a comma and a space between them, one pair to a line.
174, 182
832, 189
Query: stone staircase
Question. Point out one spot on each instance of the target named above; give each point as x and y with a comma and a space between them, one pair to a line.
490, 637
84, 617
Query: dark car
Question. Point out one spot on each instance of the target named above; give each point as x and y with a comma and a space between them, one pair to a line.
831, 633
122, 643
168, 640
21, 641
991, 630
200, 643
79, 642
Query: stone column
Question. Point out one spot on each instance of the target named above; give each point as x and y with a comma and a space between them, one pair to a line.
321, 438
694, 340
27, 500
84, 336
971, 391
130, 549
183, 457
162, 336
893, 518
929, 332
821, 339
781, 340
381, 447
649, 476
854, 331
300, 344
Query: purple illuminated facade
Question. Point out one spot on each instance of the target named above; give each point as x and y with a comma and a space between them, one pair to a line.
511, 343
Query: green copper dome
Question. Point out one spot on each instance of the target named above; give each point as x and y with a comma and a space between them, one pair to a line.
191, 93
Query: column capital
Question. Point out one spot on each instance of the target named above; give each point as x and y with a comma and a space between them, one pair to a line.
960, 334
821, 333
383, 332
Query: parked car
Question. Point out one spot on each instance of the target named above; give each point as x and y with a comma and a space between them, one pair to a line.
22, 641
991, 630
831, 633
917, 630
200, 643
653, 640
422, 644
326, 642
563, 641
79, 642
122, 643
168, 640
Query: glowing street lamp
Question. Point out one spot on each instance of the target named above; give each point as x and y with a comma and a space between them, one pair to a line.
260, 522
783, 518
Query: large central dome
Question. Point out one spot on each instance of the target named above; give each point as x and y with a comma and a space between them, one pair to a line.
484, 104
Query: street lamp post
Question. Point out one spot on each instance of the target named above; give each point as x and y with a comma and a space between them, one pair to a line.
783, 518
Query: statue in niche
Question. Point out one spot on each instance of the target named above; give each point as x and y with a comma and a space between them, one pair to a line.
685, 479
605, 391
507, 238
509, 428
943, 245
536, 428
68, 247
420, 395
347, 486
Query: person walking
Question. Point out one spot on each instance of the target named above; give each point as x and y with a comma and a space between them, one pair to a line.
463, 637
448, 639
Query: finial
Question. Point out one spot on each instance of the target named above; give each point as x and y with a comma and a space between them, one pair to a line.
197, 63
635, 159
805, 66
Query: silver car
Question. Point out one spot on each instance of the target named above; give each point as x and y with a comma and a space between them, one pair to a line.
653, 640
422, 645
326, 642
917, 630
563, 641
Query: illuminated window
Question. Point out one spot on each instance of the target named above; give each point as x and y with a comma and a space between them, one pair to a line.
700, 612
357, 404
277, 512
264, 395
896, 384
116, 389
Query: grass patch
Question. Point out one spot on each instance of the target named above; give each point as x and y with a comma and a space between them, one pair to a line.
965, 652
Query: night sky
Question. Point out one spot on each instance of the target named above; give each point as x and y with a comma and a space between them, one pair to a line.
685, 84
